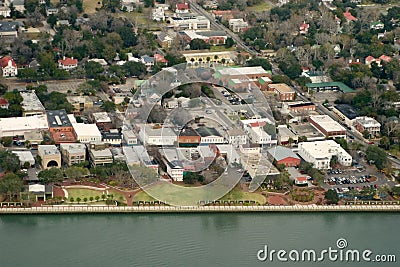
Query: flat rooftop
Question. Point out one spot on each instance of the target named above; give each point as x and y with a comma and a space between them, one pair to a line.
327, 123
48, 150
281, 88
101, 117
30, 102
307, 130
242, 71
58, 118
207, 131
73, 147
347, 110
38, 122
82, 129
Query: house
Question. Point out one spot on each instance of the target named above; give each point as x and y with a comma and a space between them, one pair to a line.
284, 92
25, 156
63, 22
49, 156
188, 138
41, 192
160, 59
173, 103
303, 29
101, 61
158, 14
349, 17
9, 29
31, 104
147, 61
383, 58
238, 25
301, 180
320, 153
74, 153
86, 133
99, 154
67, 63
51, 11
4, 103
257, 134
182, 8
5, 11
8, 66
377, 25
157, 135
19, 5
327, 126
367, 124
284, 156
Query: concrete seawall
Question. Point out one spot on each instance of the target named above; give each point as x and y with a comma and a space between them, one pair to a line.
196, 209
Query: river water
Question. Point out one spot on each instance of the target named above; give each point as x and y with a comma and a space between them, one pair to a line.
190, 239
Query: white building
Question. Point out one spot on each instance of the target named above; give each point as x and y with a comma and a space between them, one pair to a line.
191, 23
158, 14
130, 137
237, 136
210, 136
25, 156
67, 63
18, 126
86, 133
238, 25
320, 153
5, 11
327, 126
367, 124
73, 153
8, 66
31, 104
157, 135
177, 102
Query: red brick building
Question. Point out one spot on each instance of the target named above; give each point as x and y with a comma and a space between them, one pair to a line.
188, 138
283, 155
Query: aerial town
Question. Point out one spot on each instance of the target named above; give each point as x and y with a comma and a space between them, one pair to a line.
299, 97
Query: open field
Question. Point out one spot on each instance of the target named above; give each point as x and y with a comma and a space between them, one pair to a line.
84, 192
259, 8
89, 6
239, 195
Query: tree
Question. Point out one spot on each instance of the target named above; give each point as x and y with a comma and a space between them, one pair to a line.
198, 44
85, 199
229, 42
78, 199
128, 36
192, 177
377, 155
302, 139
91, 199
9, 161
97, 198
384, 142
342, 142
258, 61
135, 69
71, 199
6, 141
11, 184
93, 69
75, 172
52, 175
108, 106
331, 197
30, 5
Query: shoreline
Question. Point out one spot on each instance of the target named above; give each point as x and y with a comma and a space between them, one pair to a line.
196, 209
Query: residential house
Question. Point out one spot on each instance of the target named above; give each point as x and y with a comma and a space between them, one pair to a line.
349, 17
303, 29
367, 124
165, 40
67, 63
4, 103
377, 25
158, 14
5, 11
182, 8
238, 25
8, 66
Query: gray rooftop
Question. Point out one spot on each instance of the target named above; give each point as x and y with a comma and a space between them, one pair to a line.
280, 152
8, 26
58, 118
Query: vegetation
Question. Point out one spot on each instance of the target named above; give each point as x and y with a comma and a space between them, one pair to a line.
11, 185
331, 197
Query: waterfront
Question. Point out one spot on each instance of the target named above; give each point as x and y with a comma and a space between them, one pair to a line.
207, 239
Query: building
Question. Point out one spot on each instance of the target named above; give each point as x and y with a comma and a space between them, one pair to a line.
9, 29
41, 192
5, 12
67, 63
158, 14
182, 8
210, 37
86, 133
188, 138
210, 136
80, 103
157, 135
73, 153
113, 138
31, 104
8, 66
205, 56
248, 74
383, 58
377, 25
190, 23
25, 157
19, 5
173, 103
283, 155
174, 169
50, 156
237, 136
99, 154
102, 120
129, 136
346, 113
367, 124
349, 17
165, 39
299, 107
60, 126
303, 29
329, 86
34, 138
320, 153
238, 25
4, 103
284, 92
286, 136
327, 126
19, 126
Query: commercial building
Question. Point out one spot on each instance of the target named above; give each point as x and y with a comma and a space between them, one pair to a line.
99, 154
238, 25
9, 30
329, 86
50, 156
210, 136
190, 22
60, 126
8, 66
327, 126
188, 138
113, 138
299, 107
157, 135
31, 104
346, 113
284, 155
86, 133
205, 56
244, 76
285, 135
367, 124
34, 138
25, 157
284, 92
237, 136
210, 37
80, 103
320, 153
19, 126
257, 134
73, 153
102, 120
129, 136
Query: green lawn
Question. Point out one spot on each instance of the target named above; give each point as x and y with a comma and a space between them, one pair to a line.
263, 6
89, 6
142, 196
220, 48
238, 195
83, 192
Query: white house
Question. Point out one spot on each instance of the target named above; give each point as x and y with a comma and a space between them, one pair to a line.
157, 135
8, 67
67, 63
320, 153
